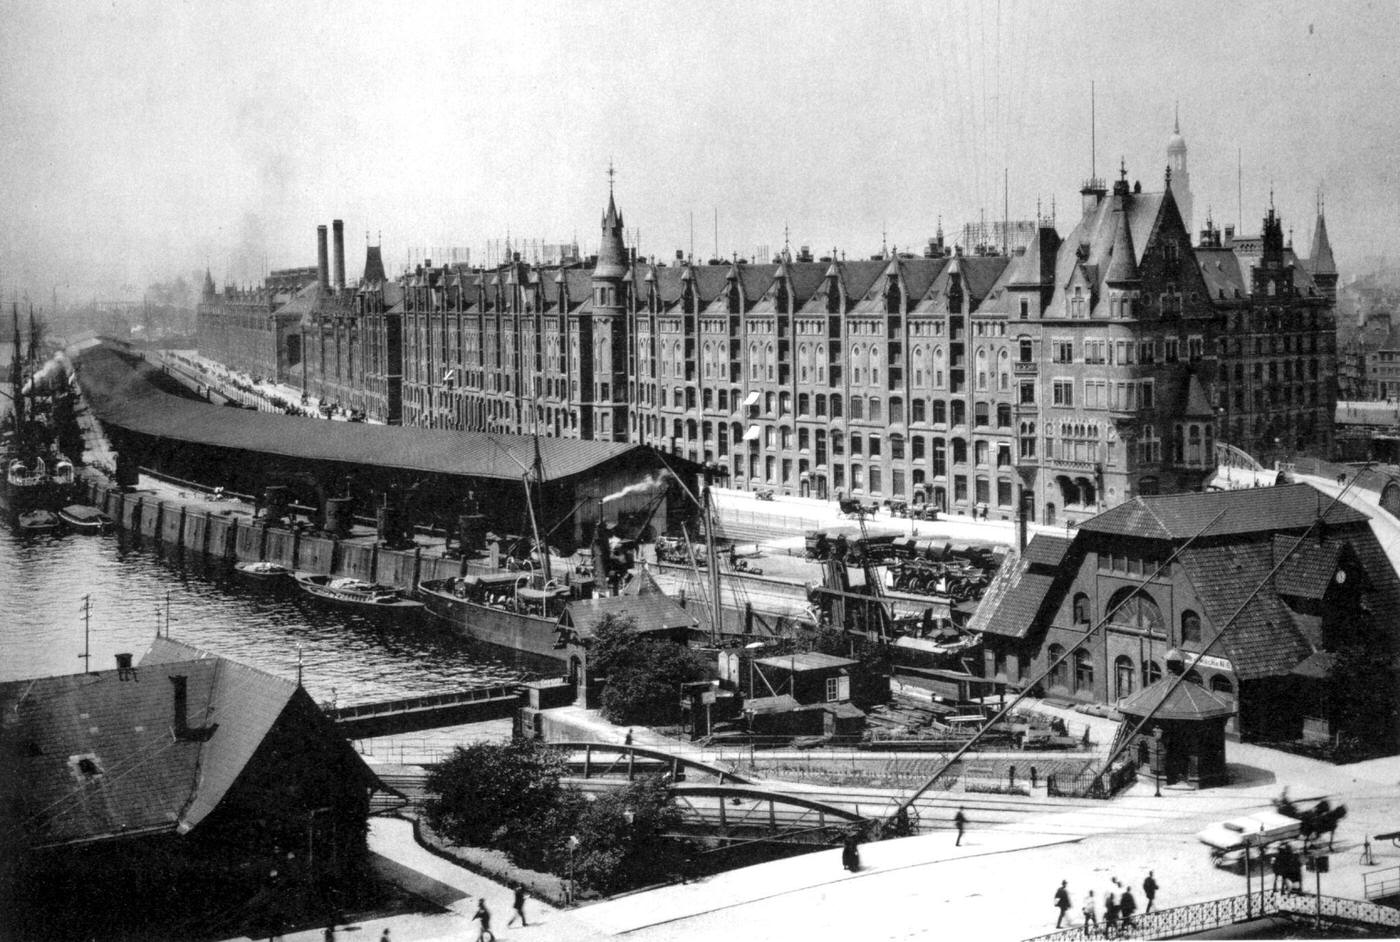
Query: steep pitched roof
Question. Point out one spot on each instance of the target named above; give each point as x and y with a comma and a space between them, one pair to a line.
1046, 550
1194, 400
374, 266
1320, 262
98, 756
1262, 641
1309, 571
1252, 510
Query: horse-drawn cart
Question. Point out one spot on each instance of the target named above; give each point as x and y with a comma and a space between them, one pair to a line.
1229, 840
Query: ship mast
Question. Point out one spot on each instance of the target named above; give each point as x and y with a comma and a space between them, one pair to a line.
17, 377
540, 547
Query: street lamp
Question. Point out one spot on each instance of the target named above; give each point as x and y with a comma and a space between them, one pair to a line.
573, 845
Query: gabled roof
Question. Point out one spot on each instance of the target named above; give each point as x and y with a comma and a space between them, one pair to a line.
1194, 400
98, 758
1189, 701
374, 266
649, 612
1252, 510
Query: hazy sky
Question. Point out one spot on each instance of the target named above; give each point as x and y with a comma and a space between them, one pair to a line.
141, 140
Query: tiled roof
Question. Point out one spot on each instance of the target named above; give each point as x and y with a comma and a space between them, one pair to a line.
649, 612
1013, 609
1309, 570
1222, 273
1188, 701
1263, 640
1251, 510
120, 394
1318, 665
1194, 400
1046, 550
97, 754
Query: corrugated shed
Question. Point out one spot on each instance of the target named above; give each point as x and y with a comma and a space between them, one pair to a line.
649, 612
120, 394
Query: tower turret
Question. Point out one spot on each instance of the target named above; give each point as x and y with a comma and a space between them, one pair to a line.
1321, 265
1180, 175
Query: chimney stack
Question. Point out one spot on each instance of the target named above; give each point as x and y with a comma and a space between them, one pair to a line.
338, 244
182, 720
124, 668
323, 274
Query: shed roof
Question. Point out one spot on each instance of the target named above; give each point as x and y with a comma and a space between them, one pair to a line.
650, 612
121, 394
810, 661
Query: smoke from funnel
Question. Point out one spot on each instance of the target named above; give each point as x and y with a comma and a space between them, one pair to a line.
651, 485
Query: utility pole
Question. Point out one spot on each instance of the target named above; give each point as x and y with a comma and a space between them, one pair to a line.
87, 625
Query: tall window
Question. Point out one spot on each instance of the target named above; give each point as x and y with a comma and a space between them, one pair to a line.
1083, 671
1190, 627
1059, 675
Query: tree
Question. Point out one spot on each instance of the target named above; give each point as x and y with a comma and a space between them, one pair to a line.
496, 795
622, 840
644, 676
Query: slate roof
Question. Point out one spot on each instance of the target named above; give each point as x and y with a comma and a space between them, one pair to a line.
1251, 510
138, 778
1320, 262
121, 394
1187, 702
650, 612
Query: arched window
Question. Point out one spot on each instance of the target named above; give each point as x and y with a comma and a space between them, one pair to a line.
1122, 677
1190, 626
1151, 672
1192, 677
836, 410
1140, 611
856, 358
1220, 684
1083, 671
1081, 608
1059, 675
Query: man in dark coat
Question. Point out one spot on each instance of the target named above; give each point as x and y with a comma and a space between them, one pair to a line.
1127, 907
1062, 902
959, 822
1149, 889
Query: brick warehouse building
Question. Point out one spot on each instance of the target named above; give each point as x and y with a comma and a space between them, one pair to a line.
1085, 369
1322, 615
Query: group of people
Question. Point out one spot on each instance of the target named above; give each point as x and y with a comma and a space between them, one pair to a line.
1120, 906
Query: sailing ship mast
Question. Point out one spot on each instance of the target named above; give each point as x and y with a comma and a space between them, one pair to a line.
540, 547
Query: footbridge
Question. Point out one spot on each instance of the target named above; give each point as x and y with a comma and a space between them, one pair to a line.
598, 759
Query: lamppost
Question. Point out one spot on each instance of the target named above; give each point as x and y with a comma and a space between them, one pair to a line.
573, 845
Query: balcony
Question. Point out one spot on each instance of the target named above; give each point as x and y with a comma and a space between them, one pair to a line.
1025, 368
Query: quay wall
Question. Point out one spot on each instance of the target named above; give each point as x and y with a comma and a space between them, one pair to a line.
190, 526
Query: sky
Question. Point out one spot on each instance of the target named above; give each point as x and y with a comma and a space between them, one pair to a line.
142, 140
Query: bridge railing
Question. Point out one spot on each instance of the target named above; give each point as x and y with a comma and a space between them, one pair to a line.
1216, 913
406, 704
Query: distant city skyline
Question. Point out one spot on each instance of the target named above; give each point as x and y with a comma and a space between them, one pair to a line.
145, 140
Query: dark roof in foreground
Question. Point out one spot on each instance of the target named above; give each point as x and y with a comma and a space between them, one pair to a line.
650, 612
1252, 510
96, 756
121, 393
1189, 701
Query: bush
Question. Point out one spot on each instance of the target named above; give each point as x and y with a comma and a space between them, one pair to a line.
496, 795
644, 677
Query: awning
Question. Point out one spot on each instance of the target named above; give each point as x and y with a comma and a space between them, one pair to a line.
754, 433
751, 399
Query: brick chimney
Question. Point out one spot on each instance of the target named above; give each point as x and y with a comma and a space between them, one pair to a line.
338, 246
181, 720
323, 274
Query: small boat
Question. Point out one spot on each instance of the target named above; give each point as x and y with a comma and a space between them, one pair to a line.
262, 570
357, 592
82, 518
38, 521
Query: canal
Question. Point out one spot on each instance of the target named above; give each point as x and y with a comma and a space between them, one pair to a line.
345, 657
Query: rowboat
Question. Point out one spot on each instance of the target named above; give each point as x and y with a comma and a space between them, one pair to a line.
82, 518
355, 592
262, 570
37, 521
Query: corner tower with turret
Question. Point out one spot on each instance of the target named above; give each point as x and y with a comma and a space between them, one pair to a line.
602, 337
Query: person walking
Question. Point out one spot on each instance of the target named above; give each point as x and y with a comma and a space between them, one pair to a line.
329, 934
1149, 889
959, 822
1062, 902
1091, 916
518, 906
627, 740
1110, 915
1127, 907
483, 916
384, 936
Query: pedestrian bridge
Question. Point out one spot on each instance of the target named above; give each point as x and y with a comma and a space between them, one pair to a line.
1298, 908
611, 759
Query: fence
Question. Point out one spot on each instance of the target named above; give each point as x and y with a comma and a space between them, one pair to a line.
1216, 913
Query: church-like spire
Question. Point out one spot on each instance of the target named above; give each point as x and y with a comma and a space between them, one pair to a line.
1320, 262
612, 252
